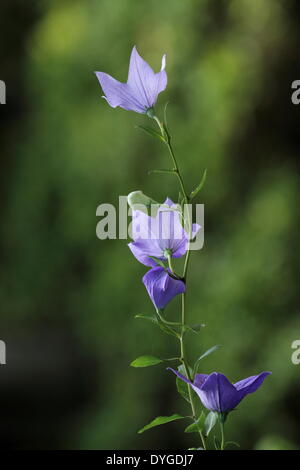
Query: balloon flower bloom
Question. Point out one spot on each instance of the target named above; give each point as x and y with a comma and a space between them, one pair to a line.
143, 85
218, 394
157, 240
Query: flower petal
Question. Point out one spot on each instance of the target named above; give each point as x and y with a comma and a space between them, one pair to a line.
251, 384
182, 245
200, 379
169, 229
143, 249
143, 226
182, 377
144, 83
217, 393
119, 94
161, 287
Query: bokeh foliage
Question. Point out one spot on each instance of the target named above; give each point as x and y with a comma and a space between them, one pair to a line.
229, 111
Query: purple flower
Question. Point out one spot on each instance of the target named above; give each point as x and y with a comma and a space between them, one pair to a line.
218, 394
143, 86
161, 286
160, 236
157, 239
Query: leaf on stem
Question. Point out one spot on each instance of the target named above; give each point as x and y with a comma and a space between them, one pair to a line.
159, 322
199, 187
158, 261
210, 421
152, 132
198, 425
161, 170
232, 443
165, 114
165, 328
145, 361
150, 318
217, 443
183, 387
209, 351
193, 328
161, 420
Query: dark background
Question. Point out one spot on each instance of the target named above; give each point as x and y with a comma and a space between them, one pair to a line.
67, 299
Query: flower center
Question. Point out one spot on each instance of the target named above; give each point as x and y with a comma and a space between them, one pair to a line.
167, 253
150, 112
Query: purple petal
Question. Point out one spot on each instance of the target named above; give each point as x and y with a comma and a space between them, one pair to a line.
199, 380
143, 249
170, 203
179, 247
251, 384
143, 226
169, 229
161, 287
146, 241
217, 393
143, 82
182, 377
164, 232
195, 229
119, 94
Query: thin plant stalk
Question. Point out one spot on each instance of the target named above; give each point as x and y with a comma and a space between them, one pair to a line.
167, 140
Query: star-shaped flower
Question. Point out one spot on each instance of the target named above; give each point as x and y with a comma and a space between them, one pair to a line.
218, 394
143, 85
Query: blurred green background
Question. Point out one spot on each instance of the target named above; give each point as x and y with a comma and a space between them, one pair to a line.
67, 299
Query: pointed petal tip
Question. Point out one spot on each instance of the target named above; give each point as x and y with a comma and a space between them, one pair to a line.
134, 50
266, 373
180, 376
169, 202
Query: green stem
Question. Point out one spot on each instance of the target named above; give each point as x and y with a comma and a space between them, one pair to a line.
167, 140
187, 372
222, 433
169, 258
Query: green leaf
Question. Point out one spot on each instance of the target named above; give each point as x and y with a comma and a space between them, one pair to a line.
161, 420
197, 326
145, 361
198, 425
217, 443
209, 351
210, 422
165, 328
232, 443
152, 132
200, 186
158, 261
165, 115
150, 318
183, 387
161, 170
157, 321
167, 134
193, 328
